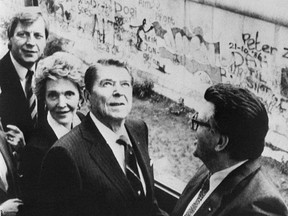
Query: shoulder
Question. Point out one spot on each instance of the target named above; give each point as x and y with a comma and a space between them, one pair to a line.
260, 195
80, 115
5, 61
71, 140
135, 123
42, 138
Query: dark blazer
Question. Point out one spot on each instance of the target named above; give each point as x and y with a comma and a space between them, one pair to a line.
12, 177
14, 107
81, 176
41, 140
245, 191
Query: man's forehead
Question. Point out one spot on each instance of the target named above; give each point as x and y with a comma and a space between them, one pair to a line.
39, 24
206, 110
113, 73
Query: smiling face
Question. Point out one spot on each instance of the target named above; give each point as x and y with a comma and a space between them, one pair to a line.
28, 42
62, 99
111, 95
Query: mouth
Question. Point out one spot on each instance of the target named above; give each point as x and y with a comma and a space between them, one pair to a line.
62, 112
117, 104
30, 52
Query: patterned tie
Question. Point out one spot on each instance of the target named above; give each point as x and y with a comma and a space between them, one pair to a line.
31, 97
204, 189
132, 173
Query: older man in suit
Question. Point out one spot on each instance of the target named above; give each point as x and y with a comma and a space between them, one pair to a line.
27, 34
9, 190
230, 135
101, 167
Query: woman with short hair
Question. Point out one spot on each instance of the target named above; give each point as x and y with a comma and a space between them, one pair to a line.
59, 84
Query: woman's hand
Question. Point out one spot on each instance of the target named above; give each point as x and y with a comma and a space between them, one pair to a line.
15, 137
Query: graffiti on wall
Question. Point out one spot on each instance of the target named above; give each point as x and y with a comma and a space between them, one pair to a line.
143, 30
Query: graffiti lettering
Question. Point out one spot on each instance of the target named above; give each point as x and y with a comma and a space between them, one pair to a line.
147, 48
285, 55
149, 4
164, 19
253, 44
131, 11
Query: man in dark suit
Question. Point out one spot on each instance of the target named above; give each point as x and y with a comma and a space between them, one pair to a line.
230, 135
27, 34
9, 191
87, 172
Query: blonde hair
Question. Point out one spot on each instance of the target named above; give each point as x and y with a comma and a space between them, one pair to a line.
60, 65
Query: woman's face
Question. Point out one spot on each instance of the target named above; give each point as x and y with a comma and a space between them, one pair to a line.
62, 98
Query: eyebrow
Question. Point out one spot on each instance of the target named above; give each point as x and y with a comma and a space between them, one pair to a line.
104, 80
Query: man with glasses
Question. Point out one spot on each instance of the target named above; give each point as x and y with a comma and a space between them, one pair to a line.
230, 136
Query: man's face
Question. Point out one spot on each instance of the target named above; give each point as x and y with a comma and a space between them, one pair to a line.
111, 95
206, 138
28, 42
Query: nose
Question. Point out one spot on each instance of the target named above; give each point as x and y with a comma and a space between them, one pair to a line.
31, 40
62, 101
118, 90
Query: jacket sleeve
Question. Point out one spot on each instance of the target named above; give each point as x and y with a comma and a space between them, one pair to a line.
59, 183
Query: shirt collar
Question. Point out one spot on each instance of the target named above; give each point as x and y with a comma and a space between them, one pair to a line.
109, 135
21, 71
219, 176
59, 129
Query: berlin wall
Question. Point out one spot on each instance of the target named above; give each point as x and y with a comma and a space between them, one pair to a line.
185, 46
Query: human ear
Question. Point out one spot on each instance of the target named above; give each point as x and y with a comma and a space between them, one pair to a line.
87, 96
222, 143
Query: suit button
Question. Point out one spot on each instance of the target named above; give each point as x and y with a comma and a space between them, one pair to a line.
209, 209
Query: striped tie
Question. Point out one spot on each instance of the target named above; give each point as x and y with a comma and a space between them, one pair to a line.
31, 97
204, 189
132, 173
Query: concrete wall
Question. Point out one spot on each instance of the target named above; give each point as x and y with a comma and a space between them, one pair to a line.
185, 46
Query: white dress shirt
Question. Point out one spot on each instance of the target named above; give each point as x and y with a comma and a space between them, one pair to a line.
3, 174
59, 129
214, 181
118, 150
22, 72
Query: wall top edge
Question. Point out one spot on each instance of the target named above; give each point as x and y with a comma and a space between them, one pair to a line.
274, 11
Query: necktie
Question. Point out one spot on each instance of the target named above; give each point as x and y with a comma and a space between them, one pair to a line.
31, 97
132, 173
204, 189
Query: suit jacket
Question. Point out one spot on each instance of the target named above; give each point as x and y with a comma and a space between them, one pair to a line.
245, 191
81, 176
41, 140
12, 177
37, 146
14, 107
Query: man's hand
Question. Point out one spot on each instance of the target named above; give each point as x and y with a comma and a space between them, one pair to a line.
11, 207
15, 137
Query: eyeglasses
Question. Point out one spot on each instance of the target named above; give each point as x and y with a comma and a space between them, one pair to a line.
195, 123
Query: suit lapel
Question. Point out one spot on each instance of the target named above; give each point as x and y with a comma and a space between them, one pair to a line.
103, 156
12, 81
190, 190
224, 192
139, 145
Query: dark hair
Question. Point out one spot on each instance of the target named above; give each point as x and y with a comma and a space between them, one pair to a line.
26, 18
91, 72
60, 65
241, 116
